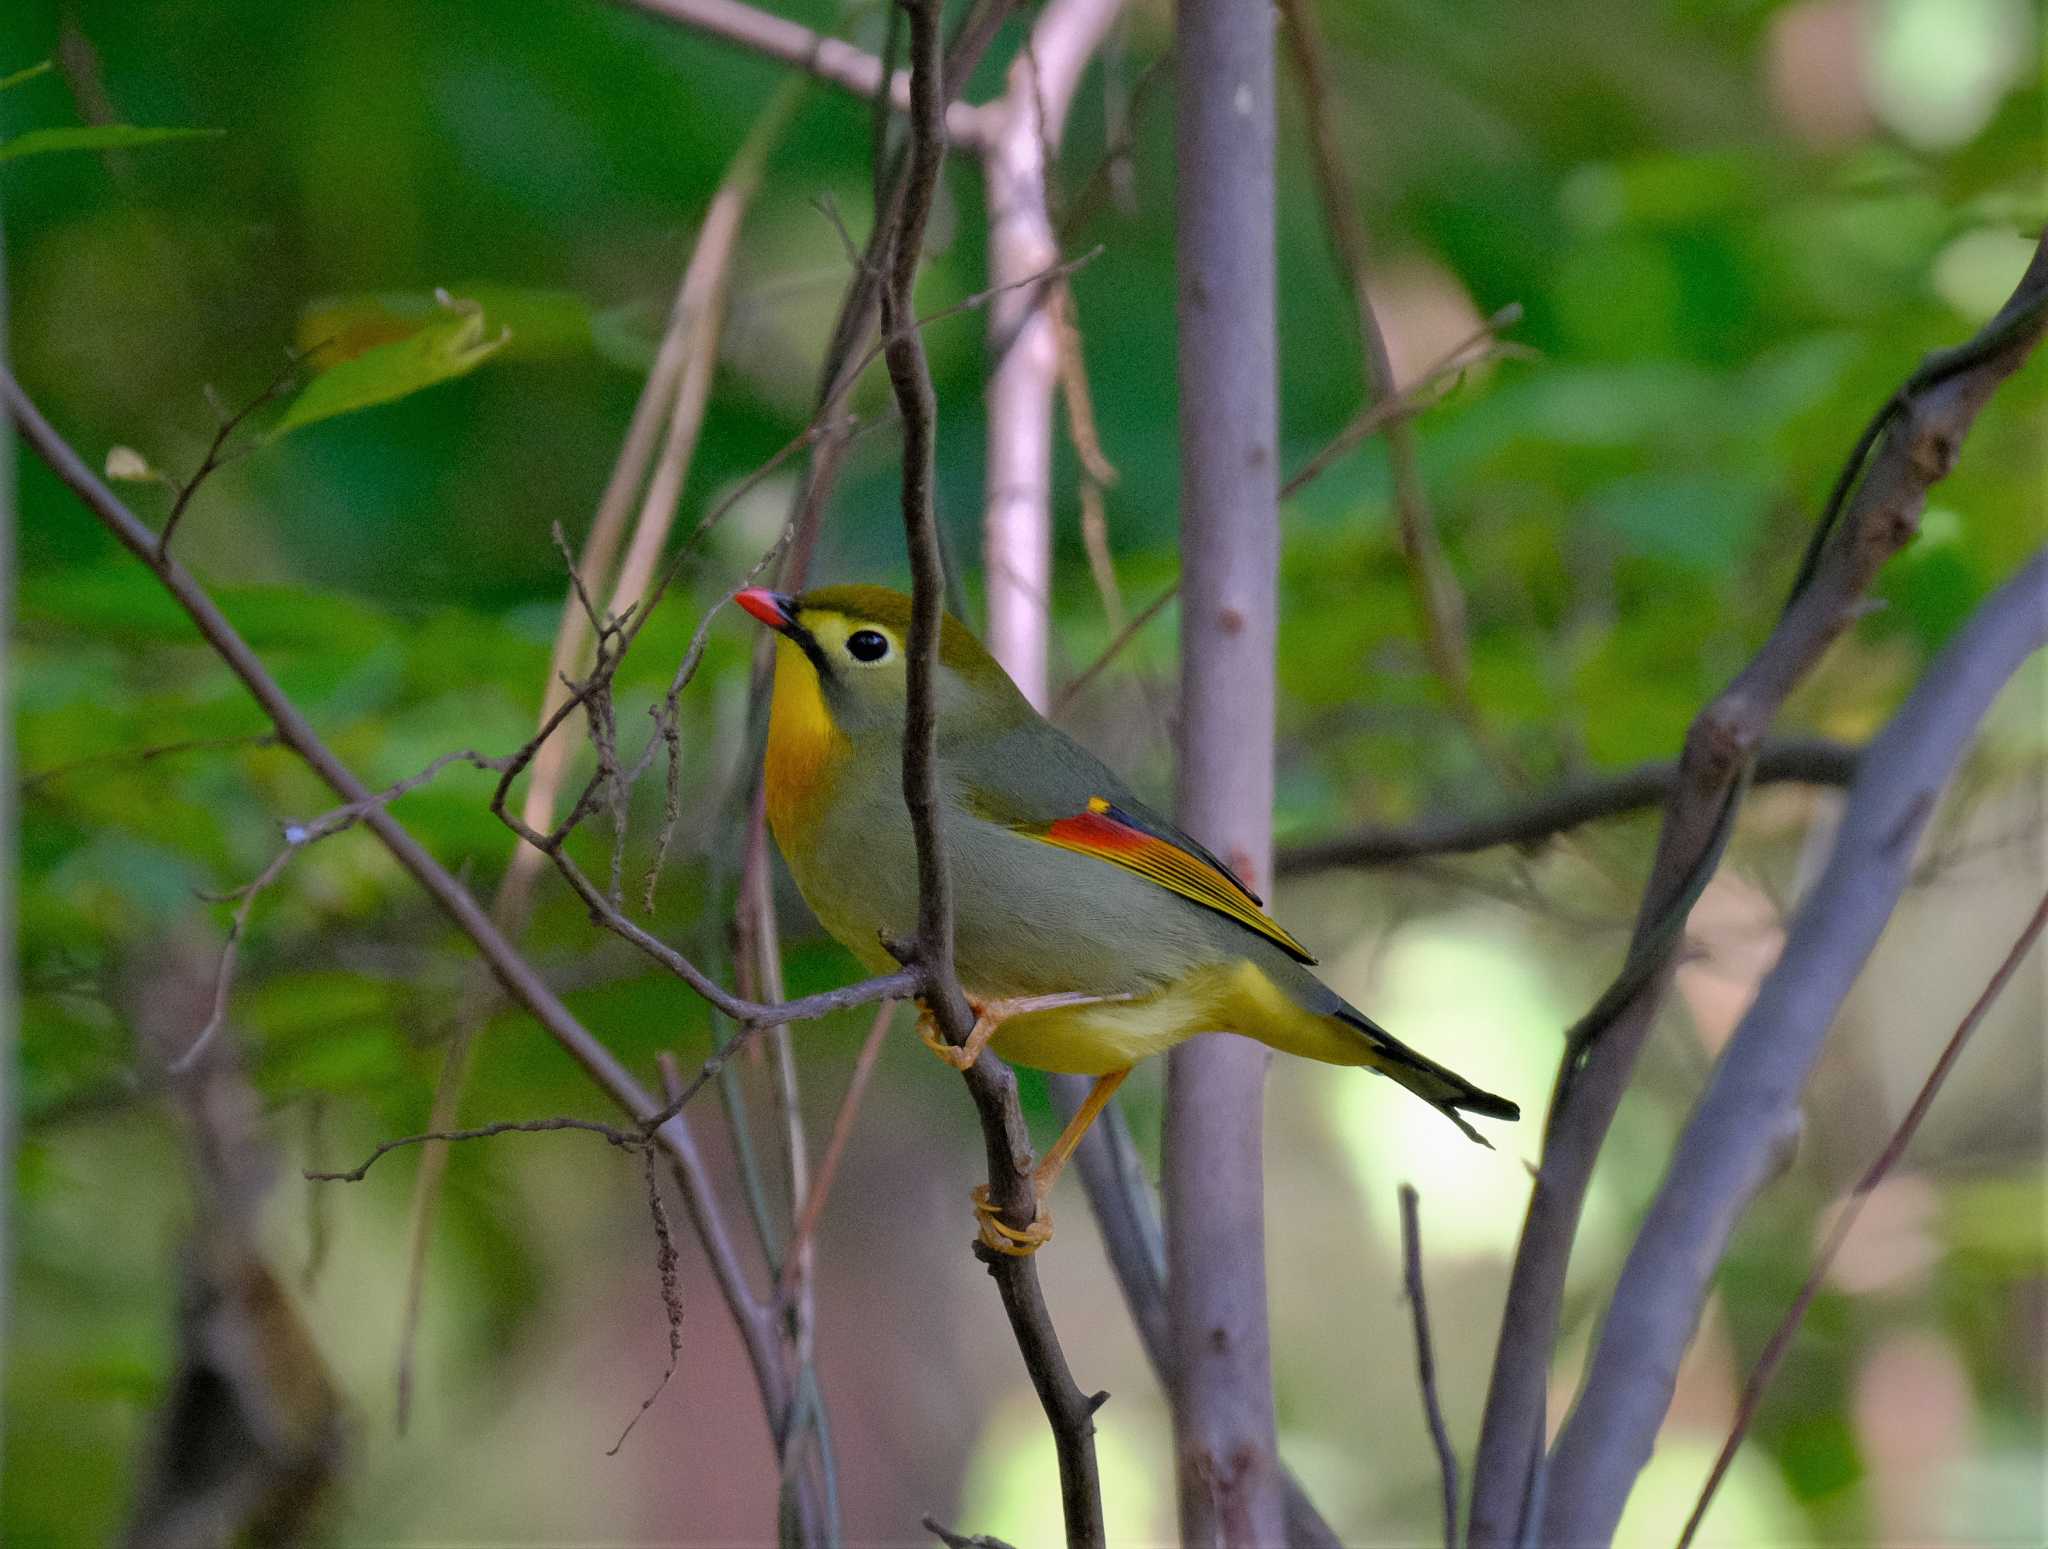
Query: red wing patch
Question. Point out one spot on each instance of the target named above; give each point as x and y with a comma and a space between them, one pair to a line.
1110, 835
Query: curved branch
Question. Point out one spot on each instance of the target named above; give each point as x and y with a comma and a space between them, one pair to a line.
1875, 512
1747, 1121
1814, 761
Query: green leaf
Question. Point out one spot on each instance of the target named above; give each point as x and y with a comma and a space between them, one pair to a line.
545, 324
437, 353
95, 137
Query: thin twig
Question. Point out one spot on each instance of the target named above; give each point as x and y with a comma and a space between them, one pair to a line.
673, 392
806, 1228
298, 836
520, 980
1425, 1358
1780, 1342
1123, 637
34, 782
631, 1140
665, 1264
1482, 344
218, 454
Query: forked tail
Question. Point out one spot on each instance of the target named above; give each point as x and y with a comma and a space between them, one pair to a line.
1444, 1090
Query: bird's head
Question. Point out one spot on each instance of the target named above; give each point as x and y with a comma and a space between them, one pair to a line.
852, 643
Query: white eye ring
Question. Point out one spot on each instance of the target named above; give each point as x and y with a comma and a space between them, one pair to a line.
867, 645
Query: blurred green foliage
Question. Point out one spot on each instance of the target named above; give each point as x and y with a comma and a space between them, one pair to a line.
1733, 226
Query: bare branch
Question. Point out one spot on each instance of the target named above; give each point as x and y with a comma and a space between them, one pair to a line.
1425, 1358
32, 783
671, 1294
806, 1226
219, 453
1068, 1411
1025, 129
1913, 444
831, 60
297, 837
1811, 762
519, 979
1226, 1454
674, 391
749, 1314
631, 1140
1747, 1121
1780, 1342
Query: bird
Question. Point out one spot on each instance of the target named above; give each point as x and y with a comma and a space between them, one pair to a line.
1090, 932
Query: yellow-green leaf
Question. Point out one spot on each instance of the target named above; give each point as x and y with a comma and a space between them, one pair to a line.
96, 137
396, 369
40, 67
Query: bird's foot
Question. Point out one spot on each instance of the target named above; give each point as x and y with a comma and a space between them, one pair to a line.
998, 1236
960, 1056
989, 1015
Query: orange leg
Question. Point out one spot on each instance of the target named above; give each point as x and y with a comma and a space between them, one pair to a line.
997, 1233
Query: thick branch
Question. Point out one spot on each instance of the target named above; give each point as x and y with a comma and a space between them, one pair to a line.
1747, 1122
1025, 128
831, 60
1225, 1449
1910, 444
1806, 762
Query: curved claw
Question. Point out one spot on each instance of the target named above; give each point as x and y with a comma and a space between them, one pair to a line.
952, 1054
999, 1236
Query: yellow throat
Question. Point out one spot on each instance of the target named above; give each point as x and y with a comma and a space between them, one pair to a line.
804, 746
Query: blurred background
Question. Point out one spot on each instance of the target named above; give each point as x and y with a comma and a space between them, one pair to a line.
1732, 226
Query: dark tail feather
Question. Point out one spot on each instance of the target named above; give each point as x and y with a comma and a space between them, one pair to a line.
1444, 1090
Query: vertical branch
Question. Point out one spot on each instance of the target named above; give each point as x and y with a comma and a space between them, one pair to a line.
1023, 130
1229, 1478
1069, 1412
1023, 325
1425, 1358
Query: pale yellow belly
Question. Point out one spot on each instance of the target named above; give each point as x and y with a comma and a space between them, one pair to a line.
1092, 1040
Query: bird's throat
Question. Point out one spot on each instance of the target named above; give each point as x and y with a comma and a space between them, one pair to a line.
804, 747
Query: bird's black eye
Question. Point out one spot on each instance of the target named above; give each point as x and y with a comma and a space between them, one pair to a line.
867, 645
